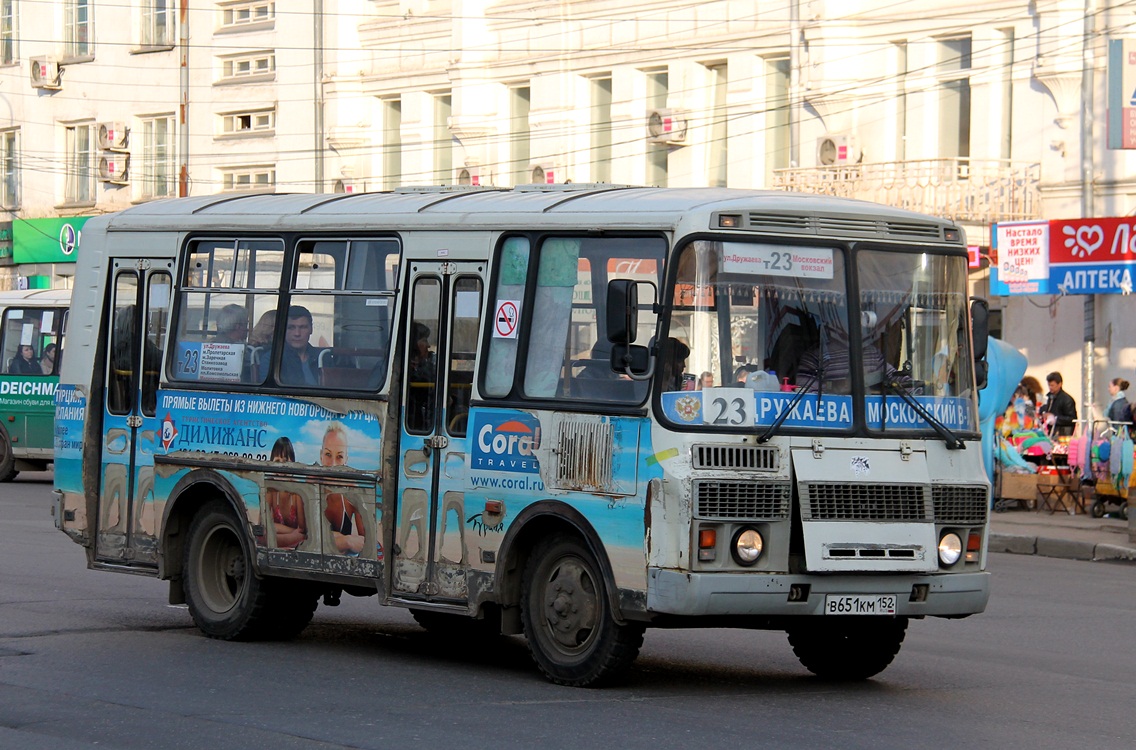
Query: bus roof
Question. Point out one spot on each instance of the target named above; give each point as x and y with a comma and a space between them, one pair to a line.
35, 297
607, 206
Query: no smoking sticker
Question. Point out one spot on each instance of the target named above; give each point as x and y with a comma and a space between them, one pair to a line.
505, 319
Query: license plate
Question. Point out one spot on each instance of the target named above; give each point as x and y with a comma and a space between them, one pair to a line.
859, 604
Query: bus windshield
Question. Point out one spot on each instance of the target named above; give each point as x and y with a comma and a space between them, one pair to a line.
767, 328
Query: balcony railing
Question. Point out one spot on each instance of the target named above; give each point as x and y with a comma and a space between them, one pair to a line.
965, 190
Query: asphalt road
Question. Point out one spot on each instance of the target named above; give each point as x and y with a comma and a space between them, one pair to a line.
93, 659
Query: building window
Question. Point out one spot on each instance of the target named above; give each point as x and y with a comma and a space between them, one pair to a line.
159, 167
9, 52
716, 160
443, 141
80, 187
776, 116
262, 121
392, 143
77, 28
601, 129
248, 178
248, 65
246, 13
10, 166
954, 97
157, 23
519, 100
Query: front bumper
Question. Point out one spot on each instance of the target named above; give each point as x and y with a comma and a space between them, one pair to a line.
710, 594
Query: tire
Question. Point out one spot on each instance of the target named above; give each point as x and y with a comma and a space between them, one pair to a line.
227, 601
1096, 510
7, 459
847, 648
567, 618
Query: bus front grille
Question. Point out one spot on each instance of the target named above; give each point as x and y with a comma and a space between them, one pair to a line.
962, 504
745, 457
754, 501
840, 501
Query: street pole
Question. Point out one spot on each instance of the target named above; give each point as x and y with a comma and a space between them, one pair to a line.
1087, 203
794, 83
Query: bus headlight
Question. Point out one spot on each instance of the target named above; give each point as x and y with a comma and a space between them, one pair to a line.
747, 546
950, 548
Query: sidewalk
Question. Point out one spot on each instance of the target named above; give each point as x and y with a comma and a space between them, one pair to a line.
1080, 537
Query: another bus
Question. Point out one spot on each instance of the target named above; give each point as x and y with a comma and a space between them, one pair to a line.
572, 412
31, 350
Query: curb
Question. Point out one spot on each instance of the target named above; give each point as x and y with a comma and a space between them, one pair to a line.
1064, 548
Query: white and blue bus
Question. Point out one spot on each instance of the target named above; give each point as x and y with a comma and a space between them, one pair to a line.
573, 412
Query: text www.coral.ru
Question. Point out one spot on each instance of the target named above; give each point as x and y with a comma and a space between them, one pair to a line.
508, 483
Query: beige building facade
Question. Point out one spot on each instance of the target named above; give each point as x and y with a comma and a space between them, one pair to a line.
974, 115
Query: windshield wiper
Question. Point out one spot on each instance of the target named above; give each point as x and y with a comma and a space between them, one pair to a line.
895, 386
792, 405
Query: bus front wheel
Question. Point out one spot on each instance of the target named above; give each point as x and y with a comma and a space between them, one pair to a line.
567, 618
847, 648
225, 597
7, 459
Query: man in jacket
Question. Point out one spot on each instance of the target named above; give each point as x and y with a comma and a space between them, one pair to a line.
1059, 409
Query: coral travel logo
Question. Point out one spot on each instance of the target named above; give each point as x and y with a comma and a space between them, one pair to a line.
169, 432
505, 442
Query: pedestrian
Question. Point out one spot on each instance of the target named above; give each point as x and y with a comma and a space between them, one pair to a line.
1119, 412
1059, 412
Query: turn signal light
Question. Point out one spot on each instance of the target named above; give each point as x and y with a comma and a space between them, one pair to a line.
973, 545
707, 544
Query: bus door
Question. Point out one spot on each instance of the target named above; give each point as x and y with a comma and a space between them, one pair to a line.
431, 554
128, 516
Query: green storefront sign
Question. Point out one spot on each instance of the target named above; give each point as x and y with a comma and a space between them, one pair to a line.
46, 240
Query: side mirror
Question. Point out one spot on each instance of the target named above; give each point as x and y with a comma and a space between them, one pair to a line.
979, 325
980, 328
633, 361
622, 311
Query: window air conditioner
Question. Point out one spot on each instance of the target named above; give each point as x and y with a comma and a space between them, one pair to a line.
834, 149
46, 73
546, 173
667, 126
114, 168
113, 136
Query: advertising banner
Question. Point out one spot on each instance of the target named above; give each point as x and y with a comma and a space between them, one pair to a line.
1066, 256
46, 240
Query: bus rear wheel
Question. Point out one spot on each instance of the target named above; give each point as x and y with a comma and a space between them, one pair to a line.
7, 459
225, 597
847, 648
567, 618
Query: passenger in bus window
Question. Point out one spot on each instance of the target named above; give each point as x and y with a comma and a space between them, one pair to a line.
673, 359
47, 361
25, 362
232, 325
261, 334
299, 364
423, 365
